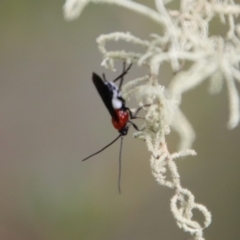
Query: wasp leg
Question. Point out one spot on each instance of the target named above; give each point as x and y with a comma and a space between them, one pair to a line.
125, 71
134, 125
134, 116
121, 80
104, 77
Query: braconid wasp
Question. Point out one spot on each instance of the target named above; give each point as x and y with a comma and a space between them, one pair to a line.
121, 115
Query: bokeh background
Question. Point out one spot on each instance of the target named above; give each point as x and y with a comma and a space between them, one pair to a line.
51, 117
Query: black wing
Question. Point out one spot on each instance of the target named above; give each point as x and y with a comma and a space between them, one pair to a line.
105, 93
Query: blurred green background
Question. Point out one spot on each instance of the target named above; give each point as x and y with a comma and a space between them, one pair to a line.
52, 117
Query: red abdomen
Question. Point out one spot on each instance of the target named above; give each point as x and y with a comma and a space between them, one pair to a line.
123, 117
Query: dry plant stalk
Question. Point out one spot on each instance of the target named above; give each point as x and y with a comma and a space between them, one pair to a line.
185, 39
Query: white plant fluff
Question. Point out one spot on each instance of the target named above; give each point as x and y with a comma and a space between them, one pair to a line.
185, 38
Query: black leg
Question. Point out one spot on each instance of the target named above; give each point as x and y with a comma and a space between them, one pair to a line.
121, 80
139, 109
122, 75
134, 125
134, 116
104, 77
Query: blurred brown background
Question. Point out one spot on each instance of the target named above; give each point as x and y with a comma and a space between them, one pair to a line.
51, 117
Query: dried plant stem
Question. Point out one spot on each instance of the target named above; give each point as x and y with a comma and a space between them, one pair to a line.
194, 56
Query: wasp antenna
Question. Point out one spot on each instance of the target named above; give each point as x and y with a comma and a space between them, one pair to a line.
120, 166
103, 148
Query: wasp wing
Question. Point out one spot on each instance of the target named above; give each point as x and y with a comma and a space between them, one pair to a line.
105, 93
